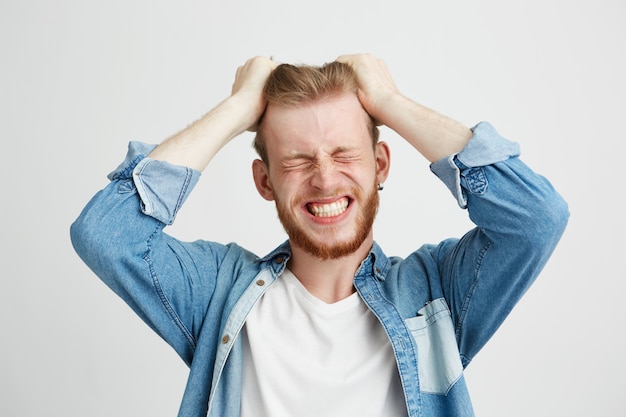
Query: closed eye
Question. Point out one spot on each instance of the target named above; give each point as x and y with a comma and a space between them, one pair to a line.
345, 158
296, 164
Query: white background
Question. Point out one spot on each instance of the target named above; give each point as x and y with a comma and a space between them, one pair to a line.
79, 79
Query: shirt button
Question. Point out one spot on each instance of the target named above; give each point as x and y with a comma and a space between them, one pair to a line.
225, 339
260, 283
279, 260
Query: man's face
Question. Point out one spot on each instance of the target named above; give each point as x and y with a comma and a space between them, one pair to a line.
323, 174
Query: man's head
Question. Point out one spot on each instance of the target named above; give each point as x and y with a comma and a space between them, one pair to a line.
321, 159
291, 86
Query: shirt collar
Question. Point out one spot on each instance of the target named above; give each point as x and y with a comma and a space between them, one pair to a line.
375, 263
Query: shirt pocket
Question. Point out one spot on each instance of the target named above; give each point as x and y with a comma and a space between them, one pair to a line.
438, 360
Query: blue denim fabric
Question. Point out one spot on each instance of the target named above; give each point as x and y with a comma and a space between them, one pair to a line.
439, 306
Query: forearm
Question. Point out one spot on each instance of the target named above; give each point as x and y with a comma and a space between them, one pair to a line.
197, 144
435, 136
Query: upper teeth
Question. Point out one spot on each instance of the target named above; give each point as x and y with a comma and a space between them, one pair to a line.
329, 210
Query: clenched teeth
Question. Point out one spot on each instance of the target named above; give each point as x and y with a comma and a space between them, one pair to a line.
329, 210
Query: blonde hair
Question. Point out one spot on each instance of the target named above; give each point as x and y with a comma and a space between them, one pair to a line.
293, 85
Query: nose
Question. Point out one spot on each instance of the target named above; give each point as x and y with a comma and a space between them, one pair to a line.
324, 174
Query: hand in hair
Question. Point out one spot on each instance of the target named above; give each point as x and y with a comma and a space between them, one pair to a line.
199, 142
434, 135
249, 84
376, 86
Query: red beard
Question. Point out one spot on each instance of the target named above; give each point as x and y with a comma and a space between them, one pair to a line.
299, 237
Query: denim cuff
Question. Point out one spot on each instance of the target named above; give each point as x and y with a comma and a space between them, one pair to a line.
162, 187
486, 147
136, 152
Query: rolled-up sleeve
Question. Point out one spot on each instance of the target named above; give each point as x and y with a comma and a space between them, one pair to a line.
119, 235
520, 218
162, 187
486, 147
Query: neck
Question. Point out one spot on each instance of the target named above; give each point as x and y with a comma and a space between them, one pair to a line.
330, 280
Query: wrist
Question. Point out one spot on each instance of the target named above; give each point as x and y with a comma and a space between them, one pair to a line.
386, 107
246, 110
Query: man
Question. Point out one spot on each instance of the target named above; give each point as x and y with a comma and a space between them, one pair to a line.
326, 324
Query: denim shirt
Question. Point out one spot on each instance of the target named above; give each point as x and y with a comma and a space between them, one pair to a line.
438, 306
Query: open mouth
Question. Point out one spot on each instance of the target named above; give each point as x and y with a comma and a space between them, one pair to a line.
330, 209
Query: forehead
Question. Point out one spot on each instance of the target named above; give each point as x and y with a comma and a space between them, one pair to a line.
327, 123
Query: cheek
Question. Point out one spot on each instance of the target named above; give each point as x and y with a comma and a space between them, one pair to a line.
362, 177
285, 195
287, 186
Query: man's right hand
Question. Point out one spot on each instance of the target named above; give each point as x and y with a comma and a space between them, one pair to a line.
197, 144
249, 84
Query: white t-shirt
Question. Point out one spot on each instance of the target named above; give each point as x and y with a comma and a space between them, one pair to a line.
304, 357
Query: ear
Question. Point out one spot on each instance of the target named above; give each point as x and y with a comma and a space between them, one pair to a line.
383, 161
262, 179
